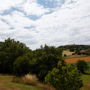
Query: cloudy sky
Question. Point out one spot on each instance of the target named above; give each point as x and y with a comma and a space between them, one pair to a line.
51, 22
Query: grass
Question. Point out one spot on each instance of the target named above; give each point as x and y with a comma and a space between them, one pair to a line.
86, 79
88, 67
31, 80
7, 84
25, 87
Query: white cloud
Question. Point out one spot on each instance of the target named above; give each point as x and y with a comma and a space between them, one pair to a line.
18, 20
66, 25
6, 4
33, 8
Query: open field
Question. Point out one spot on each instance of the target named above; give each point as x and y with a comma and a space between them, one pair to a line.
7, 84
75, 59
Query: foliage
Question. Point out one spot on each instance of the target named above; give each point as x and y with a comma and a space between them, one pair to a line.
10, 50
18, 59
64, 77
21, 65
46, 59
82, 66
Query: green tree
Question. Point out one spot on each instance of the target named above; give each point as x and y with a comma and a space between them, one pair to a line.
46, 59
64, 77
21, 65
45, 63
82, 66
10, 50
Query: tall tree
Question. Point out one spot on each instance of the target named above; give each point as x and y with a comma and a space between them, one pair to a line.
10, 50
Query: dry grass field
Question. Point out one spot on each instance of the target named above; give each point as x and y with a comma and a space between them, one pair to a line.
67, 52
75, 59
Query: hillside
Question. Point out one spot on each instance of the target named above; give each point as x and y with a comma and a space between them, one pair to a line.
76, 49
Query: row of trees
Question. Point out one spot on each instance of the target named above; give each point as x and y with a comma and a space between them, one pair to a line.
16, 58
46, 62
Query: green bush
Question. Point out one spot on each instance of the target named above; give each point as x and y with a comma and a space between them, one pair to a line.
64, 77
82, 66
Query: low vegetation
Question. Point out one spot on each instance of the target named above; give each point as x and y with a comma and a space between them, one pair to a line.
31, 80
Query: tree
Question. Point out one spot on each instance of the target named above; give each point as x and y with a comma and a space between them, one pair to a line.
64, 77
46, 63
21, 66
82, 66
46, 59
10, 50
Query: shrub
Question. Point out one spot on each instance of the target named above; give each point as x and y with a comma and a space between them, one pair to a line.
82, 66
64, 77
30, 79
27, 79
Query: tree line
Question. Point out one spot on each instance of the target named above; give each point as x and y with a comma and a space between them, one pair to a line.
46, 63
77, 49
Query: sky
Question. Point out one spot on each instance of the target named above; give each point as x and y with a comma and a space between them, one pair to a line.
40, 22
